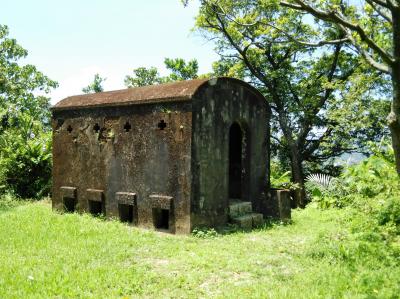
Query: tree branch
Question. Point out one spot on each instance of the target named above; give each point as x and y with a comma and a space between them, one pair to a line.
339, 19
377, 65
316, 143
381, 3
328, 91
380, 11
242, 52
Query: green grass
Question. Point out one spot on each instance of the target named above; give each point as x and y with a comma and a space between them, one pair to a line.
48, 255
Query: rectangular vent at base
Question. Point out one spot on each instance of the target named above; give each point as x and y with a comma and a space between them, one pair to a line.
161, 219
95, 201
125, 213
126, 206
162, 211
68, 195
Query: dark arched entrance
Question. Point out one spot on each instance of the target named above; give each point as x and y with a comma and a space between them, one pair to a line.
235, 161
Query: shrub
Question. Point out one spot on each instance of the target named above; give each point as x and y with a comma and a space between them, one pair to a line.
25, 159
204, 233
370, 192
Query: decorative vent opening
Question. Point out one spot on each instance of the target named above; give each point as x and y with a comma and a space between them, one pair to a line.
125, 213
127, 126
95, 208
96, 128
162, 125
69, 129
69, 204
161, 218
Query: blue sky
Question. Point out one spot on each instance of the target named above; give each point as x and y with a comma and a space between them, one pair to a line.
72, 40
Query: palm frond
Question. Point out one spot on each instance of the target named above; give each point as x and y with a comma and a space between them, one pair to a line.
320, 179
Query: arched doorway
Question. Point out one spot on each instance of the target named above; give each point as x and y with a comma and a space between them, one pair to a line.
235, 161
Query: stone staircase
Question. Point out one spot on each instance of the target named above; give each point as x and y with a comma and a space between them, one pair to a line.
241, 214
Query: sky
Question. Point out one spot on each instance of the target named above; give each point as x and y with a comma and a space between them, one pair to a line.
70, 41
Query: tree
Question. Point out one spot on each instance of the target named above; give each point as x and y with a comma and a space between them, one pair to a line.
95, 86
25, 133
303, 84
143, 77
372, 28
179, 68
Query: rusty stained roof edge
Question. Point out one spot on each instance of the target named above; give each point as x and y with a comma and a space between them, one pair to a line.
180, 91
123, 104
167, 92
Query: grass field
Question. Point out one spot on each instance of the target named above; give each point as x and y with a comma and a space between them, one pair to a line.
48, 255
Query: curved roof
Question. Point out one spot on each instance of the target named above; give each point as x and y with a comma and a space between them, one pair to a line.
168, 92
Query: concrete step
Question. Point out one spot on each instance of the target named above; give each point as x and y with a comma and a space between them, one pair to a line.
249, 221
244, 222
239, 208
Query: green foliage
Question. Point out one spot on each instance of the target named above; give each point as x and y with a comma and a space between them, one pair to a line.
7, 202
204, 233
325, 190
25, 158
25, 140
143, 77
280, 181
95, 86
280, 178
390, 212
179, 68
369, 181
370, 192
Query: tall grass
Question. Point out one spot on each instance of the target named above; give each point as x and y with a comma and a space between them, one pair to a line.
48, 255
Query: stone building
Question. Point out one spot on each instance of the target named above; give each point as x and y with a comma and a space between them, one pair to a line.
170, 157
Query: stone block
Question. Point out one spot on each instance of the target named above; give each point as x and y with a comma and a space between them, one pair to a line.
279, 204
239, 208
245, 222
258, 219
234, 211
245, 207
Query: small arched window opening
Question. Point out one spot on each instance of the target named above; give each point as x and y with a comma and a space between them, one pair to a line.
69, 129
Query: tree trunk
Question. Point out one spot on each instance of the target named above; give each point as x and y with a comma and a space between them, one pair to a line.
298, 177
394, 116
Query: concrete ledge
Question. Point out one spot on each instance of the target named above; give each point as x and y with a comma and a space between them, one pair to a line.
258, 219
68, 192
127, 198
161, 201
95, 194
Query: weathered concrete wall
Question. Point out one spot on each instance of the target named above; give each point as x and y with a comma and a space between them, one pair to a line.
216, 106
145, 160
